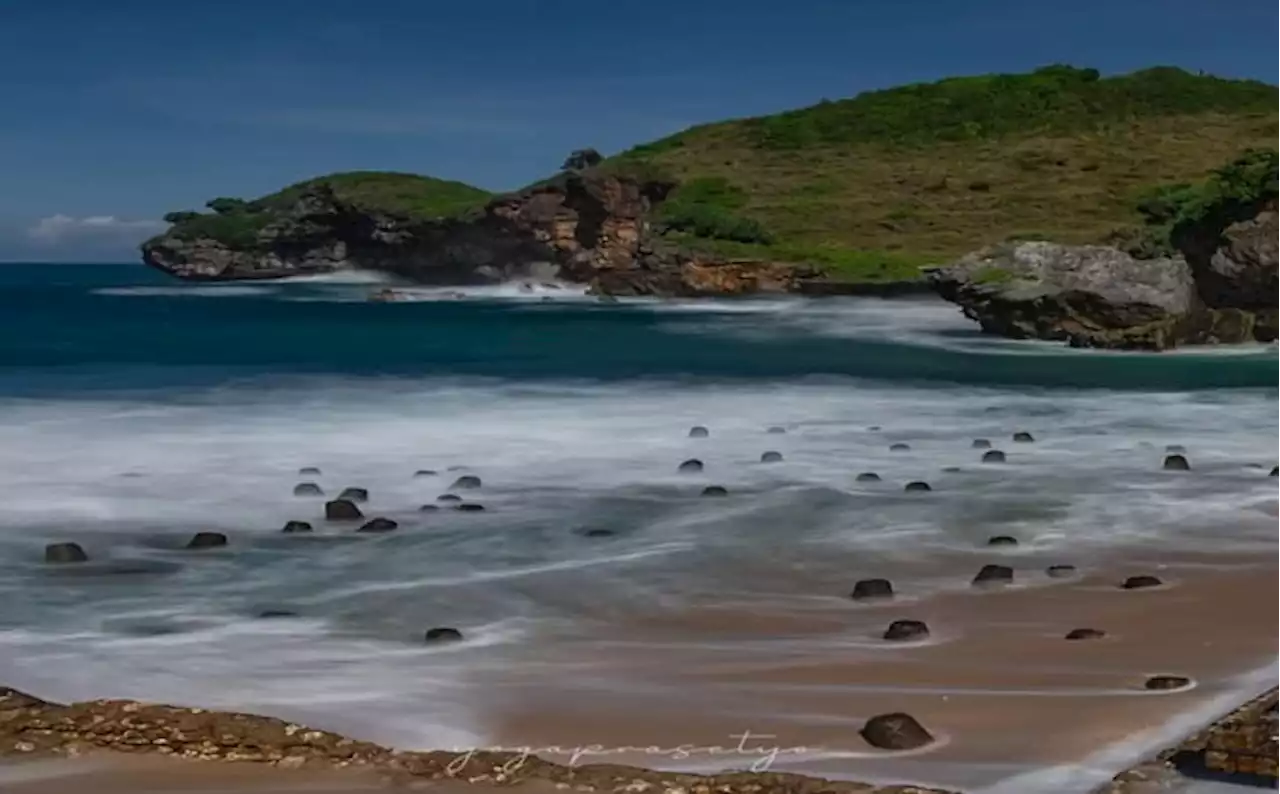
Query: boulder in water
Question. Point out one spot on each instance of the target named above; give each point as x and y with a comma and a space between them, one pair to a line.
994, 575
1060, 571
466, 482
296, 526
598, 532
1176, 463
1140, 582
906, 630
916, 485
993, 456
776, 430
871, 588
425, 473
771, 456
443, 634
899, 447
309, 471
378, 525
268, 614
698, 431
715, 490
981, 443
867, 476
469, 507
690, 466
1085, 634
1166, 682
354, 494
448, 497
1023, 437
1002, 540
64, 552
428, 508
307, 489
897, 731
342, 510
207, 540
1275, 471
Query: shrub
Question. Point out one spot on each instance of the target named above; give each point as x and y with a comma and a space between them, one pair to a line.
180, 217
706, 208
226, 206
581, 159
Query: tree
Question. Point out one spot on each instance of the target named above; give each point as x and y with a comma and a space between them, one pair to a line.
226, 206
581, 159
180, 217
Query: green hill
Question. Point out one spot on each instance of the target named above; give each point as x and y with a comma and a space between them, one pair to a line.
876, 185
237, 222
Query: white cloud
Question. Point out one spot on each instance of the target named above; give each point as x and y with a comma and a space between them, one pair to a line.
58, 229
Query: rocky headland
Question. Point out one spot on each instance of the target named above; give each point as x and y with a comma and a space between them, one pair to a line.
1204, 274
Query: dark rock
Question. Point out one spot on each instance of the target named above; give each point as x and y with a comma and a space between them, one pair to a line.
872, 588
1232, 255
867, 476
354, 494
308, 471
448, 497
1002, 540
443, 634
1023, 437
466, 482
874, 428
1166, 682
1088, 296
993, 575
916, 486
906, 630
428, 508
1175, 449
771, 457
993, 456
378, 525
342, 510
1176, 463
425, 473
690, 466
1060, 571
598, 532
268, 614
307, 489
1085, 634
64, 552
895, 731
776, 431
1275, 471
296, 526
1140, 582
899, 447
981, 443
698, 431
207, 540
469, 507
715, 490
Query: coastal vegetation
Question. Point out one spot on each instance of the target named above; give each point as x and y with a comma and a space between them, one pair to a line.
237, 222
872, 187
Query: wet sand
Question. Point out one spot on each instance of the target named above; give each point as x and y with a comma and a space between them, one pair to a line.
996, 683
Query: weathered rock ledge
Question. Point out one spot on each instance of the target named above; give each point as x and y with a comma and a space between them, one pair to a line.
588, 227
31, 727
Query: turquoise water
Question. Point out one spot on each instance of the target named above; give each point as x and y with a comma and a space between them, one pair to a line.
136, 410
75, 327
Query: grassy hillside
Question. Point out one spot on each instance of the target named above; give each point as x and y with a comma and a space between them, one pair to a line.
237, 222
876, 185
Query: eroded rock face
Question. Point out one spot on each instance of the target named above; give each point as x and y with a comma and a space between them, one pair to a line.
1088, 296
1235, 268
589, 226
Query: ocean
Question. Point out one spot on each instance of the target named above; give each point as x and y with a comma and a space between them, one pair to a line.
136, 410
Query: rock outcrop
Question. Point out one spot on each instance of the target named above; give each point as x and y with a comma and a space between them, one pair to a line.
590, 227
1223, 288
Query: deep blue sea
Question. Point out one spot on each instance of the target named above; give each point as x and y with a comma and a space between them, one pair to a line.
136, 410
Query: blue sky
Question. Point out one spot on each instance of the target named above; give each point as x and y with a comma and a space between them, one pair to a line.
116, 111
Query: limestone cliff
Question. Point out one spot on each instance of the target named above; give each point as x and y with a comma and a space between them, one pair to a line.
590, 227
